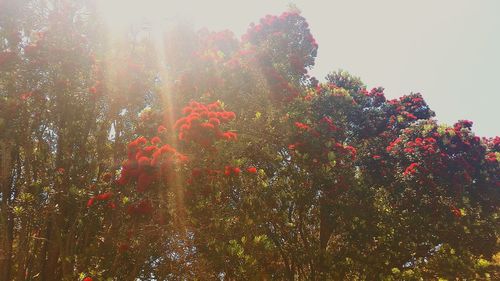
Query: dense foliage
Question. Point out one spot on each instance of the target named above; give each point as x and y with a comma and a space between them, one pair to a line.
209, 157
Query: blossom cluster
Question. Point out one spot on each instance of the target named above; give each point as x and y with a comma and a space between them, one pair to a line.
147, 163
450, 155
201, 124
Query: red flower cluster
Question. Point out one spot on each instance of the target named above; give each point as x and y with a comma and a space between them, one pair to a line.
467, 124
302, 126
228, 171
145, 164
412, 169
288, 32
202, 123
426, 146
329, 122
491, 157
345, 149
392, 145
406, 110
101, 197
450, 156
306, 128
376, 97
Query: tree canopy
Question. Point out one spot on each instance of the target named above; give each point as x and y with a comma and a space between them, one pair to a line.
205, 156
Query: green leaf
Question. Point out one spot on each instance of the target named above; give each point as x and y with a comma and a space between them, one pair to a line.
331, 156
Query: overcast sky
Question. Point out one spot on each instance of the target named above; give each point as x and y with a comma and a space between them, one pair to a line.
448, 50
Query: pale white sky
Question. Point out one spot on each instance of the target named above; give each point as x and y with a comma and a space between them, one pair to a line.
449, 50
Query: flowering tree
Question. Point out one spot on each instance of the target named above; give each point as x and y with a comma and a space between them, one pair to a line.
231, 163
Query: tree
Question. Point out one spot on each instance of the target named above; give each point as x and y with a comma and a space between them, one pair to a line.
230, 163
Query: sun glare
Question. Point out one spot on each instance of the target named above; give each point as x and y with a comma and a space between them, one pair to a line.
119, 14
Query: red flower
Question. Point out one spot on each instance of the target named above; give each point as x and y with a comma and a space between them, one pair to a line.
167, 149
104, 196
144, 162
207, 125
411, 116
236, 171
491, 157
161, 129
112, 205
301, 126
376, 157
230, 136
90, 202
456, 212
142, 140
87, 279
412, 169
227, 170
196, 172
93, 90
155, 140
150, 149
252, 170
409, 150
27, 95
214, 121
181, 158
186, 110
124, 177
351, 150
144, 181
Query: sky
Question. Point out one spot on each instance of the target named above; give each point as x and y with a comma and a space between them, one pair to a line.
447, 50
